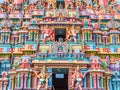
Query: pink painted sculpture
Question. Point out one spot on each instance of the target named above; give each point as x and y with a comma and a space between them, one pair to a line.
48, 33
43, 79
95, 64
77, 79
24, 64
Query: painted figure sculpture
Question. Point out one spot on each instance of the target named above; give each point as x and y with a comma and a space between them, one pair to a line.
43, 79
48, 33
77, 78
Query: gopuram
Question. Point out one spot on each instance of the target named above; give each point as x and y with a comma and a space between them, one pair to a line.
59, 44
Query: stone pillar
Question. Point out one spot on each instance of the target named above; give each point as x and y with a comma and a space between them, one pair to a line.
85, 82
94, 80
1, 85
108, 79
5, 85
35, 82
13, 82
101, 82
98, 81
18, 80
29, 80
91, 81
10, 84
25, 80
21, 81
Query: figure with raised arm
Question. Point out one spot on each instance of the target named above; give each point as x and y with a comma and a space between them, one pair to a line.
43, 79
77, 79
48, 34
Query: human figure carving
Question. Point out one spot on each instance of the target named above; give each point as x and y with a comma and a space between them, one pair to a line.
73, 34
77, 79
48, 33
43, 79
51, 2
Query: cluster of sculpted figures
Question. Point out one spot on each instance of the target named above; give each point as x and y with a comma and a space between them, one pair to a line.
49, 34
43, 79
76, 79
92, 6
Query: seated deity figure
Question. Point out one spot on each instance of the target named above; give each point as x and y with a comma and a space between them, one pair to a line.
77, 79
95, 63
43, 79
48, 33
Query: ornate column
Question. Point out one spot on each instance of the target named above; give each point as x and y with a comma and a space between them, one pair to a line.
94, 81
29, 80
35, 82
21, 81
13, 82
85, 82
98, 80
108, 79
10, 84
25, 81
1, 85
5, 85
101, 82
91, 81
18, 80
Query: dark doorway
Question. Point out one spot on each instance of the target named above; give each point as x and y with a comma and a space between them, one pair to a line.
60, 79
60, 4
60, 33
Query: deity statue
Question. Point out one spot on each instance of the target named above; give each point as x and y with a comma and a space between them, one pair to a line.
48, 33
24, 64
43, 79
95, 63
51, 2
77, 78
73, 34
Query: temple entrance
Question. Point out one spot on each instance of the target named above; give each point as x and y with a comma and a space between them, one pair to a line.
60, 79
60, 33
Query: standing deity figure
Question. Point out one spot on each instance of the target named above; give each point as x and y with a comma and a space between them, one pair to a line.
77, 79
73, 34
51, 2
48, 33
43, 79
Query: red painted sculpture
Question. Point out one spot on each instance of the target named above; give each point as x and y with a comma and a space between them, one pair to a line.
48, 33
95, 64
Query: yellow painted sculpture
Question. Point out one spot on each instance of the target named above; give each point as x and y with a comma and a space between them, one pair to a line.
43, 79
51, 2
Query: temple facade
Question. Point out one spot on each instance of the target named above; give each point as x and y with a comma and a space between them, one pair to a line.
59, 44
